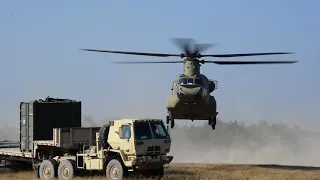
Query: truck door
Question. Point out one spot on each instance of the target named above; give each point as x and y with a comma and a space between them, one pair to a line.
126, 140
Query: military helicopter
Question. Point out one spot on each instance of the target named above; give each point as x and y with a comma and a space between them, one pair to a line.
190, 98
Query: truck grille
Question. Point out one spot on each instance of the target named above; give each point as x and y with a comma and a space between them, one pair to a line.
153, 149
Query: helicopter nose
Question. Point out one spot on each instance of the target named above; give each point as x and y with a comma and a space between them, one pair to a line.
190, 92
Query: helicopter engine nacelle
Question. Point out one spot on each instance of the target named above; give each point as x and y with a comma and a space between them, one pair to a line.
213, 85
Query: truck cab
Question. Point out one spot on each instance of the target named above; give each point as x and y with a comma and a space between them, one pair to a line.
144, 142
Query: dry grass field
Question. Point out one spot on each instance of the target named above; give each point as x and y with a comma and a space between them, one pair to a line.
219, 172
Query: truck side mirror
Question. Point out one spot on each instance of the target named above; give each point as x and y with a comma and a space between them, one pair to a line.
168, 129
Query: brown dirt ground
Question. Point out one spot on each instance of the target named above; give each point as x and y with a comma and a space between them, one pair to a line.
210, 171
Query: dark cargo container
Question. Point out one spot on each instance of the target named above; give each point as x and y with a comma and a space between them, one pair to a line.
38, 118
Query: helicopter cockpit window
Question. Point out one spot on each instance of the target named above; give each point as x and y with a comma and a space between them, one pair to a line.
190, 81
182, 81
197, 81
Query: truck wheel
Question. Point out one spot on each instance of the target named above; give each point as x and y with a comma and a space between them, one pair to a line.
114, 170
48, 169
66, 170
103, 136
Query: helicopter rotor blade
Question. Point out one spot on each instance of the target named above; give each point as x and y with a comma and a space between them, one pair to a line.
132, 53
201, 47
146, 62
245, 54
184, 44
248, 62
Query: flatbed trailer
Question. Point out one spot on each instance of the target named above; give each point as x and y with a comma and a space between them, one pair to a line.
7, 152
13, 152
66, 140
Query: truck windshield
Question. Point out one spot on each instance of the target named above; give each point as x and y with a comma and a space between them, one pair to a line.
142, 131
158, 130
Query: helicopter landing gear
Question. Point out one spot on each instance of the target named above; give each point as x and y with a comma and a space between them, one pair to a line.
171, 121
212, 122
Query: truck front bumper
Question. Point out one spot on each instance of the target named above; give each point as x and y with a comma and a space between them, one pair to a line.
161, 159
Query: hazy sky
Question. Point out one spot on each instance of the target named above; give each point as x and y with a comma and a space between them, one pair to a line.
40, 56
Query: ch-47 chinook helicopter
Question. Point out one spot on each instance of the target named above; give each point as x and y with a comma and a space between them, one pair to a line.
190, 98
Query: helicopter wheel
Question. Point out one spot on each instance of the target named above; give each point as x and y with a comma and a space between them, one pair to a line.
168, 120
213, 121
172, 123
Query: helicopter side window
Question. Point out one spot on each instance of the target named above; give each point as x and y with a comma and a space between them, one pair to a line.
182, 81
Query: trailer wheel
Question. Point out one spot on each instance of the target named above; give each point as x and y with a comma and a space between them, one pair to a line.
48, 169
66, 169
114, 170
103, 136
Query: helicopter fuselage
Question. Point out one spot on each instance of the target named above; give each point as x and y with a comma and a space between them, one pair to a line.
191, 99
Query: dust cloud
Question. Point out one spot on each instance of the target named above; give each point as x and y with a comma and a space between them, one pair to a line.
232, 142
9, 133
235, 142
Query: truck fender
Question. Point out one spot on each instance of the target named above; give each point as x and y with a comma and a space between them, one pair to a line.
121, 153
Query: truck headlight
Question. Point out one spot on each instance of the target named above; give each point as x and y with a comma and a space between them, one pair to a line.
167, 158
140, 160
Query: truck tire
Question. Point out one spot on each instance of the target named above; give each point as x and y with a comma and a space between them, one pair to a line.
48, 169
103, 136
114, 170
66, 169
